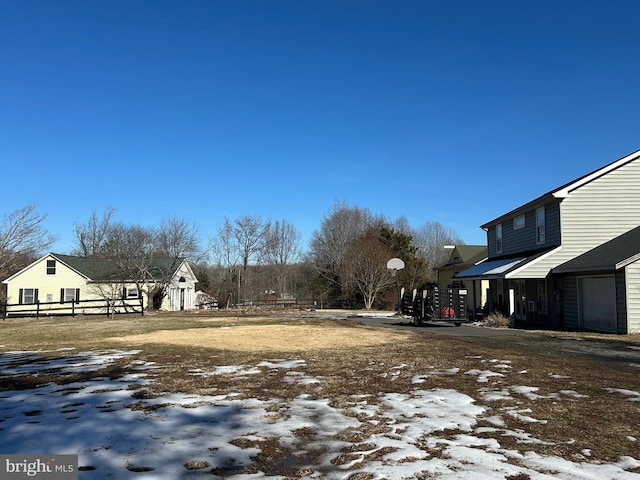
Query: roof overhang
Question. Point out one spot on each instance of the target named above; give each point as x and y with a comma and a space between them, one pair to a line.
490, 269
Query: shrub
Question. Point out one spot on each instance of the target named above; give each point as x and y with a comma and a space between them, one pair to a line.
496, 320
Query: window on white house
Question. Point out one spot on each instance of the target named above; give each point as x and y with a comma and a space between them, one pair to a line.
540, 224
519, 222
29, 296
499, 238
132, 292
69, 295
51, 267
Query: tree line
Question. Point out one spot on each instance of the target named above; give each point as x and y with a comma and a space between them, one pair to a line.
250, 259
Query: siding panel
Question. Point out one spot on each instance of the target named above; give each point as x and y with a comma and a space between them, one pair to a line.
633, 297
602, 209
621, 302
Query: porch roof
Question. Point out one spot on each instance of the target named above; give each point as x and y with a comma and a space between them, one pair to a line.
490, 269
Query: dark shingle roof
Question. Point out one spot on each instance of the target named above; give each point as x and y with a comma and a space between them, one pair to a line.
606, 257
105, 269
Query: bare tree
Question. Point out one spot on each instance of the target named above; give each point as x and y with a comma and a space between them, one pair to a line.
431, 239
281, 247
248, 234
365, 267
339, 228
226, 259
92, 236
22, 239
177, 238
131, 248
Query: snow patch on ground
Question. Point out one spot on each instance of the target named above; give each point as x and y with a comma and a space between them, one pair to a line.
427, 433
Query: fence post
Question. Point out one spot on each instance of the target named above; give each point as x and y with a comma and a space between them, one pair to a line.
73, 308
37, 308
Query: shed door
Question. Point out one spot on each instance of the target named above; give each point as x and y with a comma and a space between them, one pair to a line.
598, 303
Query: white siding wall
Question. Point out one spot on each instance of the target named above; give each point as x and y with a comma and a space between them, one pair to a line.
35, 276
171, 301
603, 209
633, 297
48, 285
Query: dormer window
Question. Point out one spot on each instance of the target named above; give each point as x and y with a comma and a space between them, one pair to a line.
51, 267
499, 238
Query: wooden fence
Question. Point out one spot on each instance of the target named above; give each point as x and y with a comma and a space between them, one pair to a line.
83, 307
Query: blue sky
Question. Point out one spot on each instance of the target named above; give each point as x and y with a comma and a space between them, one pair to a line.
449, 111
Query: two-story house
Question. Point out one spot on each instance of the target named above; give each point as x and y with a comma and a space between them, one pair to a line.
533, 266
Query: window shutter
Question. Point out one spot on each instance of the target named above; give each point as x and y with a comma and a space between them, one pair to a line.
62, 295
77, 295
35, 296
124, 292
20, 297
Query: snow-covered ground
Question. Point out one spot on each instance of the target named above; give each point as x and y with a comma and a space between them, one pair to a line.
187, 436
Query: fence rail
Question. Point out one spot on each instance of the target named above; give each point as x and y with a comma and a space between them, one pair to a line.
83, 307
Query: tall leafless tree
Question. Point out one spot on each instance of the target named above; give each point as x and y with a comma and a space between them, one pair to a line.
238, 244
22, 238
177, 238
365, 267
339, 229
431, 239
281, 247
226, 259
92, 236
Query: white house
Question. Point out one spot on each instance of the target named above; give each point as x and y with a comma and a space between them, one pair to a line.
65, 284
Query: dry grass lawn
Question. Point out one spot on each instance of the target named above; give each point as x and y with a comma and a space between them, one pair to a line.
268, 338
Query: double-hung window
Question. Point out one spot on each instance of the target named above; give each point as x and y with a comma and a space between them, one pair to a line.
69, 295
540, 224
499, 238
51, 267
28, 296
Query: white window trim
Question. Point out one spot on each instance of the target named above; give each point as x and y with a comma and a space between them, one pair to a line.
519, 222
24, 296
69, 295
132, 292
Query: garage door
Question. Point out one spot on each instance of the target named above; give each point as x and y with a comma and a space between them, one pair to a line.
598, 303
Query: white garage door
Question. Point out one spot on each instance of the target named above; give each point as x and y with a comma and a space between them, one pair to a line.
598, 303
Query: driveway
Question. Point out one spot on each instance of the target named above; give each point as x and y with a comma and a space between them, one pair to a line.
436, 328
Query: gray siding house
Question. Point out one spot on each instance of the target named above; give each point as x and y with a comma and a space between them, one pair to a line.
558, 261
